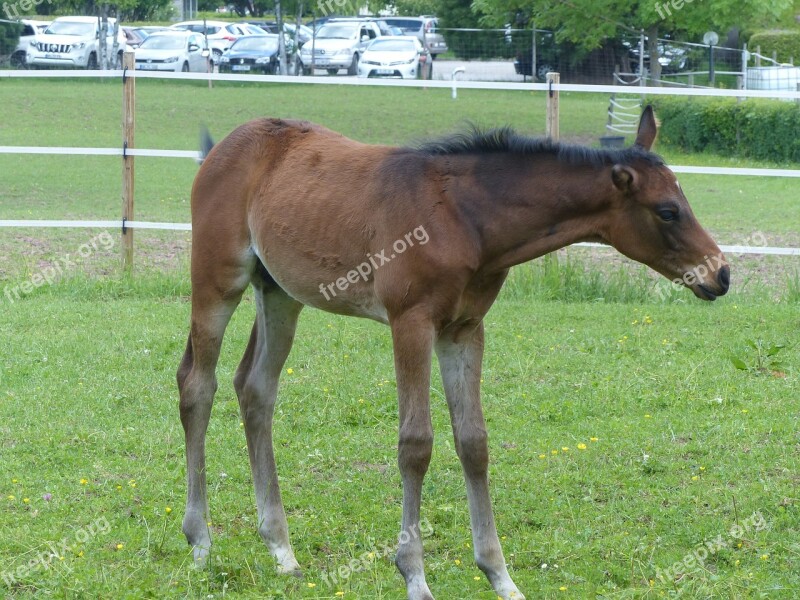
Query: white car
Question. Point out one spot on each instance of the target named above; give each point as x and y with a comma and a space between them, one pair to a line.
29, 30
173, 51
220, 34
74, 42
393, 56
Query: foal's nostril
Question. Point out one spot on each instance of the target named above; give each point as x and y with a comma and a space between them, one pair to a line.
724, 278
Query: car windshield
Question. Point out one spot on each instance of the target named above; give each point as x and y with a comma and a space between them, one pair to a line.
392, 46
338, 31
407, 25
70, 28
164, 42
266, 43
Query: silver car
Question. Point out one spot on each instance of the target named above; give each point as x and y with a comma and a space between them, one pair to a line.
338, 44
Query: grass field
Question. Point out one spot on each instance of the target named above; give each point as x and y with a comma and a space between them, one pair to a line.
622, 435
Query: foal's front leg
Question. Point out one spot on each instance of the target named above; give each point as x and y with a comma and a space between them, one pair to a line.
460, 355
412, 338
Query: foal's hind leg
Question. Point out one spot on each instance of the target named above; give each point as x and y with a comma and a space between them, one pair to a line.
211, 311
460, 354
256, 384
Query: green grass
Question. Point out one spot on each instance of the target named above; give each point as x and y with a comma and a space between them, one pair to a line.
686, 446
578, 348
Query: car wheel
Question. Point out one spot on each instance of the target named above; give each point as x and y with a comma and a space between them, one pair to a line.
215, 56
353, 68
185, 67
18, 60
542, 70
307, 71
91, 64
332, 71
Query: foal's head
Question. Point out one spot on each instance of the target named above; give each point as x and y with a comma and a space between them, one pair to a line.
653, 223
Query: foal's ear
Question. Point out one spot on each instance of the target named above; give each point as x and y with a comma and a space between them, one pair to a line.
648, 129
624, 178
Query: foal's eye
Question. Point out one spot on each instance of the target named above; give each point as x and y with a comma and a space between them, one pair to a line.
667, 215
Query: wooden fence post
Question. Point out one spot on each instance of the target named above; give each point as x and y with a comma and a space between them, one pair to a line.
128, 122
551, 128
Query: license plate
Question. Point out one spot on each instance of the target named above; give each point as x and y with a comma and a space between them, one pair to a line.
146, 67
384, 71
50, 55
240, 67
321, 61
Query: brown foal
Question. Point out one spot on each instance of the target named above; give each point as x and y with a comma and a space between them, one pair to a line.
420, 239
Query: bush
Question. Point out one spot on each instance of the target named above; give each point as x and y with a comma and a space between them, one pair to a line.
759, 129
786, 44
9, 36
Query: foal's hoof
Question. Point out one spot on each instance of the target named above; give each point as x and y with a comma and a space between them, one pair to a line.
292, 572
200, 555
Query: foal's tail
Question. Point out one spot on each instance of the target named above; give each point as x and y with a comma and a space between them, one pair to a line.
206, 144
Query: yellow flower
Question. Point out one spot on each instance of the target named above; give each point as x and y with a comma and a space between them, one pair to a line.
581, 446
311, 584
565, 448
11, 497
167, 510
647, 416
542, 455
13, 481
594, 439
84, 481
339, 594
289, 371
80, 554
744, 410
26, 500
119, 487
132, 483
476, 578
458, 562
695, 477
553, 451
702, 468
764, 556
563, 588
120, 546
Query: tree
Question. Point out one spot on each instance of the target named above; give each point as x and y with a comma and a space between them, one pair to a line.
9, 36
588, 23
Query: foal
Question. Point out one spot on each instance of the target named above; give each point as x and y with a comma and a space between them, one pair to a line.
420, 239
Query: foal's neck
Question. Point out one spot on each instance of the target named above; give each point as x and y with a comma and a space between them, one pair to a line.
528, 206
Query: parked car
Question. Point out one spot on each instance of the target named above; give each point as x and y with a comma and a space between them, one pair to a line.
671, 57
393, 56
220, 34
29, 30
134, 36
73, 42
304, 34
338, 45
252, 53
424, 28
173, 51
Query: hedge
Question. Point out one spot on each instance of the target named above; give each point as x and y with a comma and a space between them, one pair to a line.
754, 128
9, 36
786, 44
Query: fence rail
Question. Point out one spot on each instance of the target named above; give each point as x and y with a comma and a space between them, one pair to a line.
553, 87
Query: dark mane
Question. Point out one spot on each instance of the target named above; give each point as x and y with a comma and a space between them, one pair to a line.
506, 140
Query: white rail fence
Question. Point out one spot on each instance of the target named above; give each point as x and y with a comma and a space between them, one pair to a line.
124, 224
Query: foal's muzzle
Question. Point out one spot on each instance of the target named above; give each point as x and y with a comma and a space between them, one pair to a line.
709, 290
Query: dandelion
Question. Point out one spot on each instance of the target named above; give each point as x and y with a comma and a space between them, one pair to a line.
695, 477
594, 439
476, 578
167, 510
647, 320
311, 584
11, 497
340, 594
744, 411
84, 481
457, 562
543, 456
120, 546
565, 448
563, 588
80, 554
647, 417
702, 468
119, 487
132, 483
764, 556
581, 446
553, 451
289, 371
26, 500
14, 481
